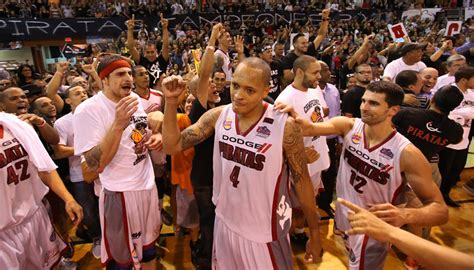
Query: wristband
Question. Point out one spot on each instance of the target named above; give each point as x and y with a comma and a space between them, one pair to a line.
42, 124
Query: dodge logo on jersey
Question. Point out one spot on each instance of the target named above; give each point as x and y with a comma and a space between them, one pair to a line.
377, 172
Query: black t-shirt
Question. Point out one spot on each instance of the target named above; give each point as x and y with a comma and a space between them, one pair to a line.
275, 81
438, 64
155, 68
351, 101
427, 130
201, 172
290, 58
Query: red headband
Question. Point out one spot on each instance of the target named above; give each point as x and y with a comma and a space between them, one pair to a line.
113, 66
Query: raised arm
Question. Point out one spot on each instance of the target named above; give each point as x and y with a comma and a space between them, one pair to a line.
92, 72
207, 63
99, 156
294, 151
363, 50
53, 86
131, 40
165, 49
175, 141
323, 28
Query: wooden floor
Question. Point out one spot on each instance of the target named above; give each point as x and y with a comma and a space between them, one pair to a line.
458, 233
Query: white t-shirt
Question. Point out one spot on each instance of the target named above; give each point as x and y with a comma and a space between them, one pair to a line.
397, 66
131, 168
227, 66
309, 104
444, 80
66, 137
463, 115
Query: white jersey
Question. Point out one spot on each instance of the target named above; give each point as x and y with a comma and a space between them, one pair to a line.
463, 115
309, 104
66, 137
368, 175
154, 102
227, 66
131, 168
251, 187
444, 80
21, 189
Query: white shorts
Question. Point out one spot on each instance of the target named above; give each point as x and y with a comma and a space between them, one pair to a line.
364, 252
317, 182
234, 252
131, 223
188, 216
32, 244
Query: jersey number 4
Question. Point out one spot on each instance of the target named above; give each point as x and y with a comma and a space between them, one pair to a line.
13, 177
357, 182
234, 176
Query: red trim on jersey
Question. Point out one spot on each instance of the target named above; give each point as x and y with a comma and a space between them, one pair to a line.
362, 253
275, 206
1, 131
272, 256
265, 106
397, 192
155, 93
370, 149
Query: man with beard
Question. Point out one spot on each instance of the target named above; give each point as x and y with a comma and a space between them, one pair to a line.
353, 98
373, 160
309, 103
111, 131
155, 63
82, 191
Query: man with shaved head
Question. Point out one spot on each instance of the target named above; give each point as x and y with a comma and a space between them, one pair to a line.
430, 78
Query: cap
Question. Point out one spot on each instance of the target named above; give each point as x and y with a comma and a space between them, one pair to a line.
411, 47
32, 90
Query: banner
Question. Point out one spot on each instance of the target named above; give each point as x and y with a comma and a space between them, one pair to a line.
425, 13
453, 27
468, 13
13, 29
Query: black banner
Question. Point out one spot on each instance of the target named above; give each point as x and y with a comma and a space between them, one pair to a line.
17, 29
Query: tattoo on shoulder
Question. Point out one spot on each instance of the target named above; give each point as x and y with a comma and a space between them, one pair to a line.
201, 130
93, 158
294, 151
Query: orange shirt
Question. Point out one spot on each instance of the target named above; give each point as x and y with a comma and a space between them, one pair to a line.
181, 163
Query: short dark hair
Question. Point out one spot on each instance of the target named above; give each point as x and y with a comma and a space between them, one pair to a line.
406, 78
68, 90
464, 73
393, 93
447, 98
295, 38
135, 68
303, 62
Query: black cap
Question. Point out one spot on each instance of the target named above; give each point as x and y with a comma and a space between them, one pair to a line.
447, 98
411, 47
32, 90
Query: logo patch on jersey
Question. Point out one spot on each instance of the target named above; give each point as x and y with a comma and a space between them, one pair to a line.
227, 123
386, 153
263, 132
356, 138
139, 136
429, 126
268, 120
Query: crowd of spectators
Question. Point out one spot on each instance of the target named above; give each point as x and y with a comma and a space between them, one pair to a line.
86, 8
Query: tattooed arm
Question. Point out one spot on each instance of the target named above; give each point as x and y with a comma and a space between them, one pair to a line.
175, 141
293, 148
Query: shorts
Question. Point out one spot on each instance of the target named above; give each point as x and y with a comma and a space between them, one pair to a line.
131, 223
232, 251
188, 216
32, 244
365, 252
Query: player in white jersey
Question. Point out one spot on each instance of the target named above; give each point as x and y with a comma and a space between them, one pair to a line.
27, 237
252, 146
373, 159
110, 130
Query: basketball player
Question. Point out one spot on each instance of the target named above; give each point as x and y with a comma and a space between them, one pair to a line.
373, 159
252, 146
27, 238
110, 130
